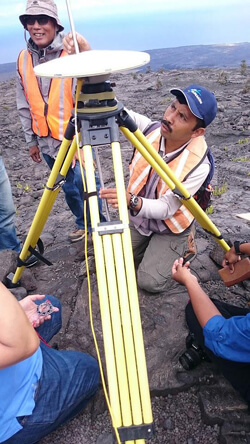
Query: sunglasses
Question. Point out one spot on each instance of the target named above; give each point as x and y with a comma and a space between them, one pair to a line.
40, 19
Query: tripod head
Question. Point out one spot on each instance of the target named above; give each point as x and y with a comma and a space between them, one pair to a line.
96, 98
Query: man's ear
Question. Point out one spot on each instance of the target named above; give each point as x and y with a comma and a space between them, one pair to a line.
198, 132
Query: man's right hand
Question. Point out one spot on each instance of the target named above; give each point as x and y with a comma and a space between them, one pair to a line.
181, 272
35, 154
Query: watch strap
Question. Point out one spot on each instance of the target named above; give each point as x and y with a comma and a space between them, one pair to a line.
237, 247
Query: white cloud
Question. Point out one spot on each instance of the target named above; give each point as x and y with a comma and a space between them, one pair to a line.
90, 9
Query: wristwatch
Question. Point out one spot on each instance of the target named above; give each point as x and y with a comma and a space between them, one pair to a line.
134, 200
237, 247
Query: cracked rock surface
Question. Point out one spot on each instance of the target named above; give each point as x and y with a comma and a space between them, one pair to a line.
188, 407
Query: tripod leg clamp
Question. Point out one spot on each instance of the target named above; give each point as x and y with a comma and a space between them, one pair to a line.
130, 433
60, 181
88, 195
38, 254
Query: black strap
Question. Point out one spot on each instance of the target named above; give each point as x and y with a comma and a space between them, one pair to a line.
87, 195
38, 254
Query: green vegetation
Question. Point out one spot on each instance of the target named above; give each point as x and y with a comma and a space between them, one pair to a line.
241, 141
158, 83
246, 88
166, 100
218, 191
243, 67
26, 187
241, 159
210, 209
222, 78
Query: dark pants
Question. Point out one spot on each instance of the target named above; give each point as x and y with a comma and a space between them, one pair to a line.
237, 373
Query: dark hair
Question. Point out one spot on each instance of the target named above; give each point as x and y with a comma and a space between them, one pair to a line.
200, 122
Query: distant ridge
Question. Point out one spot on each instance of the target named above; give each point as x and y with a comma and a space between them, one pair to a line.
7, 71
190, 57
200, 56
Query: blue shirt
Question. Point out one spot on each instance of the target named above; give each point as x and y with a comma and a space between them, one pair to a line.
18, 384
229, 338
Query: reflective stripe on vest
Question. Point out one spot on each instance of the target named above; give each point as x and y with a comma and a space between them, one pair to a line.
60, 102
182, 165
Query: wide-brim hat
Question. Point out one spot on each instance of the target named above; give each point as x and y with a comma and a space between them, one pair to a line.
201, 102
41, 7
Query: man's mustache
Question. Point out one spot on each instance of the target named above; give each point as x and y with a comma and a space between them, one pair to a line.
167, 125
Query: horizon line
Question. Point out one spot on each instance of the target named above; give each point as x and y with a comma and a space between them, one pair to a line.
172, 47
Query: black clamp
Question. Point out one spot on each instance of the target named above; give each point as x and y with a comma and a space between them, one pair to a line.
38, 254
179, 194
87, 195
129, 433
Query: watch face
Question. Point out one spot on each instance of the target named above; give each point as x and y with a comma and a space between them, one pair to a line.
133, 201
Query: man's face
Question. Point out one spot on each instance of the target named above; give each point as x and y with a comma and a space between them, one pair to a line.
42, 34
178, 123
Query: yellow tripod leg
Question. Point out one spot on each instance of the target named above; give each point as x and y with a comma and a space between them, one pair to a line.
122, 363
102, 289
46, 203
132, 287
154, 159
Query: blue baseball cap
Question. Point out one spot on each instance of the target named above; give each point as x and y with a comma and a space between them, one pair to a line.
201, 102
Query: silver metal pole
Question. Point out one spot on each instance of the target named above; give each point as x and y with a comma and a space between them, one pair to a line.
99, 169
72, 27
96, 151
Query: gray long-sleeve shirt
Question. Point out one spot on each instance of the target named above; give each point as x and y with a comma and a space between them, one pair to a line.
47, 145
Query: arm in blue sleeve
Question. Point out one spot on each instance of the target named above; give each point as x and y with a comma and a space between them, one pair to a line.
229, 338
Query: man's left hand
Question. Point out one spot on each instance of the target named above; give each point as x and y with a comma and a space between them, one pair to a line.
30, 309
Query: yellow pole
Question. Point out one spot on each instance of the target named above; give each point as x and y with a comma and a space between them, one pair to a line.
132, 287
47, 201
103, 291
116, 312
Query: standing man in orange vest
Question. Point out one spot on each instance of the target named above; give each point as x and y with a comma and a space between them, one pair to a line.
161, 227
45, 104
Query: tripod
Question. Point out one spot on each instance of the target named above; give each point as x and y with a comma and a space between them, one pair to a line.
99, 117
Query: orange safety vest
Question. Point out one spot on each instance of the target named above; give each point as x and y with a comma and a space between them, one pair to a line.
51, 118
182, 165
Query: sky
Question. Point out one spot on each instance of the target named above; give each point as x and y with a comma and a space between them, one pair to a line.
137, 24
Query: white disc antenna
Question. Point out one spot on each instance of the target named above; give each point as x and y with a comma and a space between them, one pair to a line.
92, 63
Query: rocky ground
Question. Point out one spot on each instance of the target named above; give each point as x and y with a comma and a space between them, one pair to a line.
188, 407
